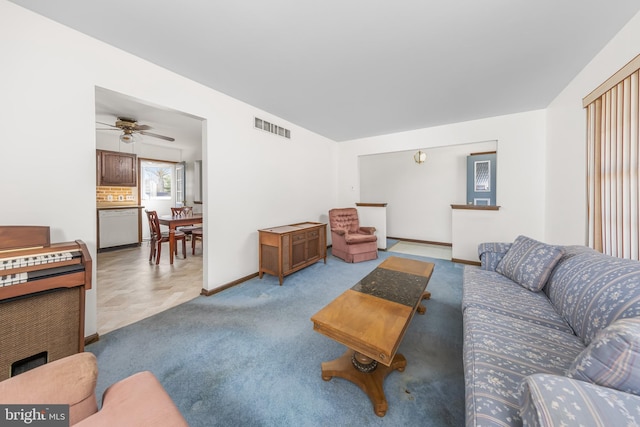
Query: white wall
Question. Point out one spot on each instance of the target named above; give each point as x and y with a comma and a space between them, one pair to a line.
566, 139
47, 111
520, 175
419, 196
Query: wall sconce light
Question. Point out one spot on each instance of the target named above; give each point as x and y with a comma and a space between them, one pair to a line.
420, 157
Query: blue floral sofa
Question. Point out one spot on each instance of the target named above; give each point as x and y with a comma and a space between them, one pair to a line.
551, 337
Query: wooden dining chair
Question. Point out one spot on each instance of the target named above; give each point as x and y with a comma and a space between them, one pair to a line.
159, 237
196, 235
185, 211
182, 211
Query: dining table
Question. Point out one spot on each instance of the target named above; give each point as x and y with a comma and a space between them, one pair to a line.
174, 221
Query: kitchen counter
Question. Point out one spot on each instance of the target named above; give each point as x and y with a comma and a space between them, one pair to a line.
102, 206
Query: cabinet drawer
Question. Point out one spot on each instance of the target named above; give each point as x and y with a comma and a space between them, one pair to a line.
296, 237
312, 234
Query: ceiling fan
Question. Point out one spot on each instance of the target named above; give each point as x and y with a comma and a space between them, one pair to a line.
130, 128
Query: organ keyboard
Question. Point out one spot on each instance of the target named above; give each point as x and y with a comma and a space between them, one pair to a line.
41, 265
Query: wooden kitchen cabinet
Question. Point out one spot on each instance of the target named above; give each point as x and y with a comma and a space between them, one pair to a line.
289, 248
116, 169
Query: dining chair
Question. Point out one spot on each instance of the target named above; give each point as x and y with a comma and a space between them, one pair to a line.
185, 211
196, 235
159, 237
182, 211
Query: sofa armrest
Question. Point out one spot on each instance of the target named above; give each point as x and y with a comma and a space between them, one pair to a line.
367, 230
138, 400
553, 400
491, 253
67, 381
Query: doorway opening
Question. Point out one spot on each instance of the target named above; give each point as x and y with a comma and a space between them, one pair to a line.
157, 189
128, 287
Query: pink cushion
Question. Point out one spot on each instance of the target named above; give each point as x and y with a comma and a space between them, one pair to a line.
344, 219
70, 380
138, 400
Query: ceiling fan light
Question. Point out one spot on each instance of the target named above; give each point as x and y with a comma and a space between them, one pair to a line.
129, 138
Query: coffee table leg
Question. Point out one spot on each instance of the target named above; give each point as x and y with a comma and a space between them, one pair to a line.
366, 373
421, 308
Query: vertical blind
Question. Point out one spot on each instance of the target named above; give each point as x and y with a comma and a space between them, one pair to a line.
613, 158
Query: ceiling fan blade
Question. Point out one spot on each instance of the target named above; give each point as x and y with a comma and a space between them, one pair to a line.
107, 124
119, 130
141, 127
155, 135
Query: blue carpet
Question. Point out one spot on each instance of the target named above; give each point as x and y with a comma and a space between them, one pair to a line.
249, 356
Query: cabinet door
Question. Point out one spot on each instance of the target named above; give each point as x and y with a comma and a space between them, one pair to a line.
298, 248
313, 244
117, 169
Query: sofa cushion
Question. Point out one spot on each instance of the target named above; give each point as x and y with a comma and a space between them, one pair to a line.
529, 262
496, 293
591, 290
612, 359
551, 400
498, 352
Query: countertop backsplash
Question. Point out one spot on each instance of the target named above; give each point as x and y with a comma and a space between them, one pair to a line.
116, 196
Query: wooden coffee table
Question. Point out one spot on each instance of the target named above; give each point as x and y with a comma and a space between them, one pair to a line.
371, 319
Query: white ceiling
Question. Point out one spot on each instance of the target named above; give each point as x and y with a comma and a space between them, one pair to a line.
185, 129
348, 69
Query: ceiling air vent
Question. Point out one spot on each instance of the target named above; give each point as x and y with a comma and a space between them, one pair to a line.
270, 127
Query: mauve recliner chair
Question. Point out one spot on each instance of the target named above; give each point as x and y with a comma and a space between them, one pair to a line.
349, 241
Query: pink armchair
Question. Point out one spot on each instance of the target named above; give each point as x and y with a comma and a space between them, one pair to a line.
138, 400
349, 241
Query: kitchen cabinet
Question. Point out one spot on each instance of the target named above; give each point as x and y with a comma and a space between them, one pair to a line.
116, 169
289, 248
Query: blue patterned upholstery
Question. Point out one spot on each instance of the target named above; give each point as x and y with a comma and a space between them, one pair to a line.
591, 290
495, 293
499, 352
520, 344
551, 400
612, 359
491, 253
529, 262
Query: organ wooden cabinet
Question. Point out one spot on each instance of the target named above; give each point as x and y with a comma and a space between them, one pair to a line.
42, 298
116, 169
289, 248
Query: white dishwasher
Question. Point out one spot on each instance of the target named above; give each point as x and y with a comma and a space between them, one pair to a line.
118, 227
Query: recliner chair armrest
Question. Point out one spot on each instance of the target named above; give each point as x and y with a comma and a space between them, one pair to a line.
339, 232
67, 381
367, 230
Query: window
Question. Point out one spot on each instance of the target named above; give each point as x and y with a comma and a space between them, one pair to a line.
613, 157
181, 197
157, 180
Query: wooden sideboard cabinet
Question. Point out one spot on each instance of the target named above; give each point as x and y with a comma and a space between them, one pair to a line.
289, 248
